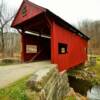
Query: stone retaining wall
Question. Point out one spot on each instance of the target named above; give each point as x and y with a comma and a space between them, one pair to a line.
48, 84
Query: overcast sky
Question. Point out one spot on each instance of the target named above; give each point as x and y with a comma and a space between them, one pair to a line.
72, 11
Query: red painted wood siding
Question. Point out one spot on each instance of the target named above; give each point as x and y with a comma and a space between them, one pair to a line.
76, 45
31, 11
76, 48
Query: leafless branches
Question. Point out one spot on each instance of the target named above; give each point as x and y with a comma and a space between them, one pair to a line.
92, 29
6, 16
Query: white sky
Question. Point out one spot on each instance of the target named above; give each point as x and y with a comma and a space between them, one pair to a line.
72, 11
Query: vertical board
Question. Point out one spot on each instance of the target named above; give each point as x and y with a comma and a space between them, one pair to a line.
27, 11
76, 48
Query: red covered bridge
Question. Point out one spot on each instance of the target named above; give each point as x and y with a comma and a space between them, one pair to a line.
46, 36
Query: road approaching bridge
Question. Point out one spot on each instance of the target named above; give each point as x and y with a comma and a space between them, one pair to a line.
12, 73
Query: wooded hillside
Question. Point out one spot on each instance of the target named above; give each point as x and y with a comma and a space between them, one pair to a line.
91, 29
12, 44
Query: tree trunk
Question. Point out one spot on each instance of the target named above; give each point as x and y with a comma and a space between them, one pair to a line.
2, 40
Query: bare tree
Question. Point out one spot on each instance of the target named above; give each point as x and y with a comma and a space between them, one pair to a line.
6, 16
92, 29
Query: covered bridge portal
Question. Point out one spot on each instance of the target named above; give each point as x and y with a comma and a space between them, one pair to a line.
46, 36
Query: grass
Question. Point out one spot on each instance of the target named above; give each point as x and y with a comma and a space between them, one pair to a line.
85, 77
96, 69
16, 91
6, 61
70, 98
5, 64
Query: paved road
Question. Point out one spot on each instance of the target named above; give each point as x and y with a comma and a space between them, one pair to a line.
11, 73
